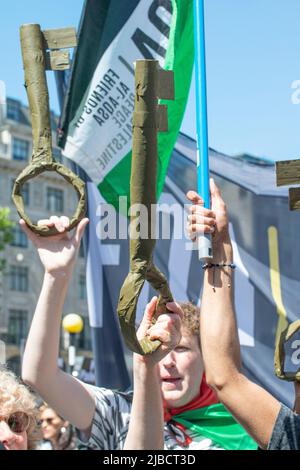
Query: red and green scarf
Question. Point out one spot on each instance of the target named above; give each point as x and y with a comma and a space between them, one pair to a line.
206, 417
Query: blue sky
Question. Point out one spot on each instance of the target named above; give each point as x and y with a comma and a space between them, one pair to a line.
253, 57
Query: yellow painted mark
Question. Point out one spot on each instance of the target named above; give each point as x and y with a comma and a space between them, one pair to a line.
275, 280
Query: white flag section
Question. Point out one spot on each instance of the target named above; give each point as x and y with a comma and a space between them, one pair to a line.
107, 114
244, 296
96, 125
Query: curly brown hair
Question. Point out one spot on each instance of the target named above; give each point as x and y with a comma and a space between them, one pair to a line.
191, 319
15, 397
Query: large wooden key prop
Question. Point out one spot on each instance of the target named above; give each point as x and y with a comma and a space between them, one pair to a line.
151, 83
36, 59
288, 173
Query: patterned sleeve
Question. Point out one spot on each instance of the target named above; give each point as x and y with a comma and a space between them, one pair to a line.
286, 432
110, 422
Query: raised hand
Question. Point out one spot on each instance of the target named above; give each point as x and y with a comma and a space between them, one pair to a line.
58, 252
167, 329
214, 220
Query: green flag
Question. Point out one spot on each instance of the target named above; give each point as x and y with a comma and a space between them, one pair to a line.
96, 128
217, 424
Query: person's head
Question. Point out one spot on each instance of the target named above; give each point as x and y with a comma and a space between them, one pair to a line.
18, 414
182, 369
52, 424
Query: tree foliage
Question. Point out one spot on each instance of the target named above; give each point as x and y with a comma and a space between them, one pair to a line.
6, 232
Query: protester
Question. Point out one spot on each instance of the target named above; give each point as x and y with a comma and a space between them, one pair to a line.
58, 434
102, 416
19, 428
88, 408
271, 424
193, 416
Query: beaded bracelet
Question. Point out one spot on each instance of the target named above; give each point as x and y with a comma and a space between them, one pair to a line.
218, 265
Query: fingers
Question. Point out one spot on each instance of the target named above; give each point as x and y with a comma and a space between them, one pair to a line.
162, 335
149, 310
65, 221
147, 318
80, 230
167, 328
151, 306
60, 223
200, 220
194, 197
214, 189
175, 308
194, 229
202, 211
197, 199
216, 196
47, 222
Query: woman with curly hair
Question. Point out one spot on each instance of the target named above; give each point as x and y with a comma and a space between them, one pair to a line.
19, 415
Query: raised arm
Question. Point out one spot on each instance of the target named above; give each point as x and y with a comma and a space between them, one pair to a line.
146, 428
64, 393
252, 406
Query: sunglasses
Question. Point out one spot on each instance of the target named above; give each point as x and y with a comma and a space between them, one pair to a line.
47, 420
17, 422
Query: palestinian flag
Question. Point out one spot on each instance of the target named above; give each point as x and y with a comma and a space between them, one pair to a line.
96, 130
206, 417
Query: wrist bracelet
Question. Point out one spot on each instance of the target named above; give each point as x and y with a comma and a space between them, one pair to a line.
218, 265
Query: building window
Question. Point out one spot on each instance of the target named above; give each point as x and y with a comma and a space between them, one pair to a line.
17, 325
20, 238
55, 200
13, 110
82, 287
4, 148
20, 149
24, 191
19, 278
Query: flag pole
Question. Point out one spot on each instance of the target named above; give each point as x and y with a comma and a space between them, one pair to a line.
204, 241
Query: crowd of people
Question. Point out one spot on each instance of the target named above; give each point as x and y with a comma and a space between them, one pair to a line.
191, 392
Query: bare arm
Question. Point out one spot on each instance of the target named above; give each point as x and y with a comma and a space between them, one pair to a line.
69, 397
252, 406
146, 428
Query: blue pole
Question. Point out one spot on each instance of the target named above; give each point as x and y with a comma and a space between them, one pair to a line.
204, 242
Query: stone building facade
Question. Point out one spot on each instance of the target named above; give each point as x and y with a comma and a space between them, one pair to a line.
44, 196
